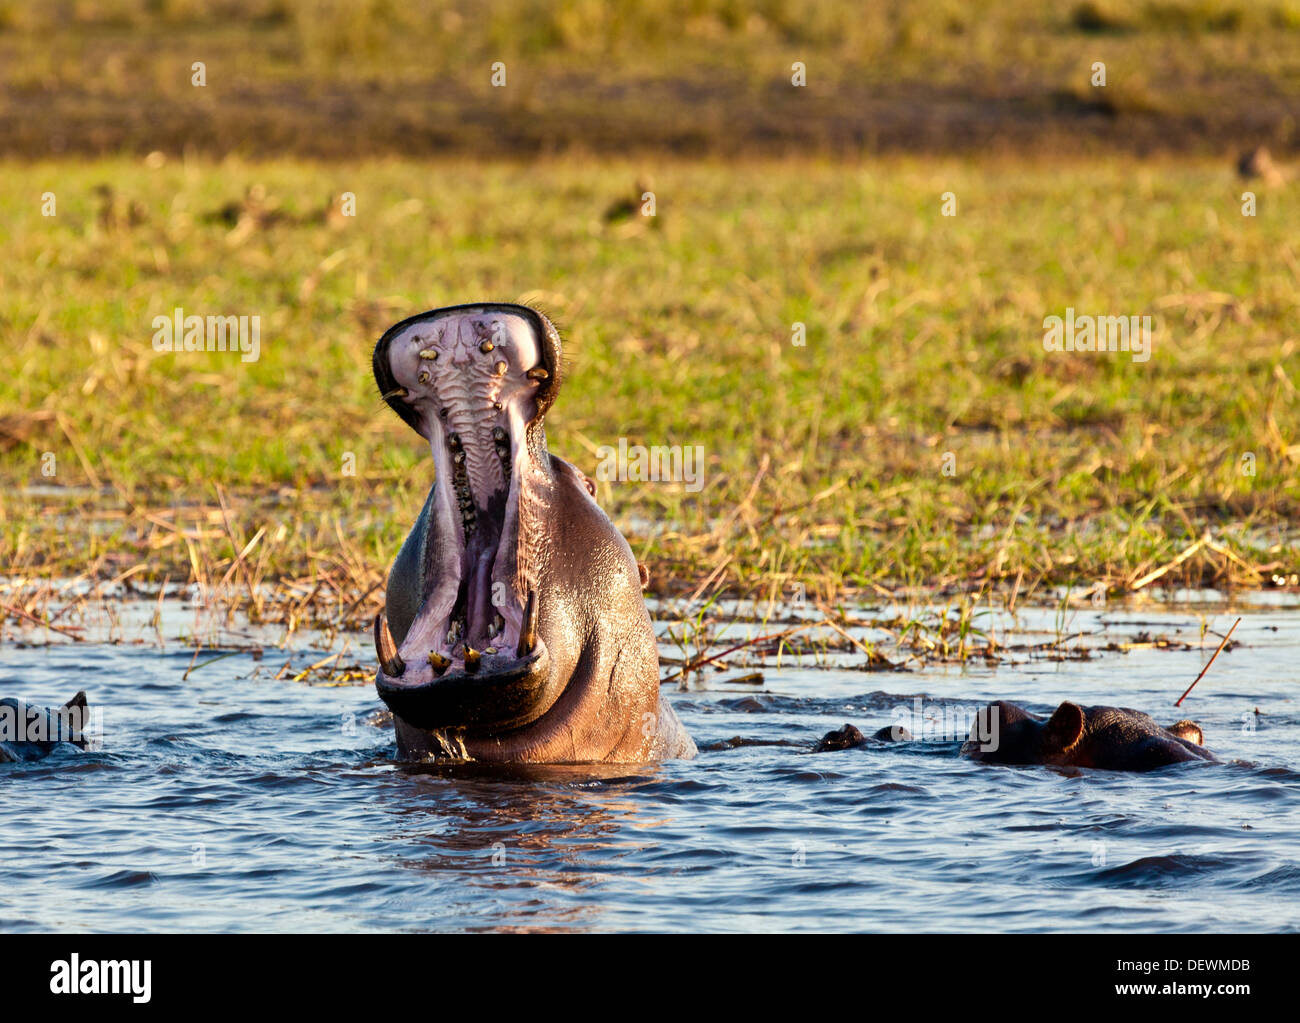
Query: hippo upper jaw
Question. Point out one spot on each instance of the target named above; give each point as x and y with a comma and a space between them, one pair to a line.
396, 360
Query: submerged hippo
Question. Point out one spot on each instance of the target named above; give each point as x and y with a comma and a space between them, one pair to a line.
849, 737
29, 732
514, 628
1110, 738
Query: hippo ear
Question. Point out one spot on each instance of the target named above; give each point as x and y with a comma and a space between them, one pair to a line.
78, 701
1065, 726
1188, 730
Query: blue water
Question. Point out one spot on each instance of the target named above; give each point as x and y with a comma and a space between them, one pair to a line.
232, 802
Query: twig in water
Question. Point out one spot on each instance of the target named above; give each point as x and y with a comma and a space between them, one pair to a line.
1224, 643
20, 613
195, 667
700, 662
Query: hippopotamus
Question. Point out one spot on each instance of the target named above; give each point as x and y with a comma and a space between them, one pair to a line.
514, 628
849, 737
29, 732
1110, 738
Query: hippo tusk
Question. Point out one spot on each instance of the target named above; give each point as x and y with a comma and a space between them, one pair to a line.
390, 662
528, 627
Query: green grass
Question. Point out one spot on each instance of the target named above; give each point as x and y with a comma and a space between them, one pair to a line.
924, 336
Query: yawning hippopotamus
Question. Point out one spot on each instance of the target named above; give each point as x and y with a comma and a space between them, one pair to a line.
30, 732
514, 629
1110, 738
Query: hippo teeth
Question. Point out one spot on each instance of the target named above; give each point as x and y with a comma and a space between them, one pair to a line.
528, 628
390, 662
438, 663
471, 659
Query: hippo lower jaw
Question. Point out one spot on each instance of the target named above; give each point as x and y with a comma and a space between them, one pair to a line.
503, 691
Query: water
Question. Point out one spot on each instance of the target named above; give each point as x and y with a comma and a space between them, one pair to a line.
234, 802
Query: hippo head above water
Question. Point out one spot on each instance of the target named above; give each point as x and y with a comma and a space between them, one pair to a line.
1110, 738
514, 628
31, 732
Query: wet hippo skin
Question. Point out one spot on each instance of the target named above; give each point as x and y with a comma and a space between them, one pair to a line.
1109, 738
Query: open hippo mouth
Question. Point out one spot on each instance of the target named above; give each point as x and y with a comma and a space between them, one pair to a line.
474, 381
